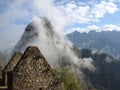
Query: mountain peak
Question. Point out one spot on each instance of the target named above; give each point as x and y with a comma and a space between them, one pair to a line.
76, 31
34, 31
105, 41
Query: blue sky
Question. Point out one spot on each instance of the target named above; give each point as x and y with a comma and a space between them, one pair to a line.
65, 15
77, 13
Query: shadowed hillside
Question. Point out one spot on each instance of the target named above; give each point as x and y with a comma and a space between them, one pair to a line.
104, 42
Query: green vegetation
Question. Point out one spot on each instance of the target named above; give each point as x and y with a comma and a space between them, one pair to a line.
68, 78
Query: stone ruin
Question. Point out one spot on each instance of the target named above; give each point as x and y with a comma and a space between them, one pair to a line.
29, 71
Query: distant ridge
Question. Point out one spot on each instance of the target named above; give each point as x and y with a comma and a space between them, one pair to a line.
105, 41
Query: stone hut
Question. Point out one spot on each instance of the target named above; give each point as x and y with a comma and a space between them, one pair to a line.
5, 82
13, 61
31, 71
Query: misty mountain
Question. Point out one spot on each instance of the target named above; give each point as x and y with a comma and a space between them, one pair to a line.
105, 41
107, 73
52, 44
93, 70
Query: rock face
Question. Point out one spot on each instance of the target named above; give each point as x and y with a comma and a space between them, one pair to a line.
32, 72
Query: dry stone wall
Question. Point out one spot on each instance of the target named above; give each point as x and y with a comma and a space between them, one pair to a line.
34, 73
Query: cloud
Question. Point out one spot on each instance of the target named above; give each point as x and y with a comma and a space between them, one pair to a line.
60, 15
108, 59
18, 14
15, 15
76, 14
110, 27
107, 27
87, 29
99, 10
88, 13
48, 9
10, 30
88, 63
114, 0
56, 48
13, 12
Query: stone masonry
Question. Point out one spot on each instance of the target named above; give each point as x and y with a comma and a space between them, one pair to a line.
31, 72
